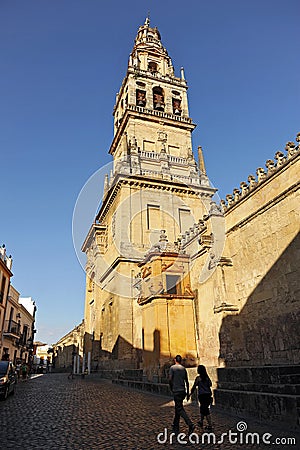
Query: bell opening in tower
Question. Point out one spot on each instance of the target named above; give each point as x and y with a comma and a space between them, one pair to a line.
176, 106
152, 67
140, 98
158, 99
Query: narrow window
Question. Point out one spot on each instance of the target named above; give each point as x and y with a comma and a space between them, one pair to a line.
152, 67
173, 284
176, 102
158, 99
148, 146
140, 98
185, 220
2, 291
153, 217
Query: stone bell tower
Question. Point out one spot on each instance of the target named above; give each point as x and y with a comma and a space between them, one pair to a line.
152, 116
155, 185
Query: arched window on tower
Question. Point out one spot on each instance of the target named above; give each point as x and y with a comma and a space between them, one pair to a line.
140, 98
158, 99
176, 102
152, 67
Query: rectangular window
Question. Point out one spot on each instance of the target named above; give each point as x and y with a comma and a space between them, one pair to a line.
173, 285
24, 335
2, 290
185, 219
149, 146
153, 217
173, 150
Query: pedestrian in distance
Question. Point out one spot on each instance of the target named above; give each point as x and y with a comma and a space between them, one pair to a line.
179, 385
18, 370
203, 384
24, 370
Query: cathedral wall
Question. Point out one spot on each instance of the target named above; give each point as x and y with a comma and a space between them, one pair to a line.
262, 242
207, 322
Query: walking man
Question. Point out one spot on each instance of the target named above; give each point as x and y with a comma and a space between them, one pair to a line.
179, 384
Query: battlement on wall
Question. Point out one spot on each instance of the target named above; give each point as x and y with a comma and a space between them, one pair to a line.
262, 176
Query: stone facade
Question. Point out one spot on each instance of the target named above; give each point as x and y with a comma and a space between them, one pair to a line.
249, 306
156, 185
5, 276
19, 328
168, 270
67, 347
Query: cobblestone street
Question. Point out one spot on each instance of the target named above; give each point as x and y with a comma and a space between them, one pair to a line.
52, 412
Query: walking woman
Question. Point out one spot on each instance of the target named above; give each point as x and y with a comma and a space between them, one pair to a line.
203, 384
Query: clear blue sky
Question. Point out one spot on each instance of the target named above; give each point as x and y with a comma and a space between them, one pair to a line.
61, 64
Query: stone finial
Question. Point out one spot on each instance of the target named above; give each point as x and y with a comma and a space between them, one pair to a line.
196, 228
223, 205
244, 188
236, 194
298, 137
252, 181
229, 199
3, 251
201, 223
182, 76
163, 236
106, 183
111, 178
9, 262
290, 148
201, 160
270, 165
214, 210
261, 174
280, 158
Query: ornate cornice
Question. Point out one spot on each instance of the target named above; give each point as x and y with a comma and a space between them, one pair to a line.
148, 182
273, 169
150, 115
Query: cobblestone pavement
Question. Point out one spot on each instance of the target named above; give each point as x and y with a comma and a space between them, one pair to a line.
52, 412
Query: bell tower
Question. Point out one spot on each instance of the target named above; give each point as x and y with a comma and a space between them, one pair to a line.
151, 114
155, 185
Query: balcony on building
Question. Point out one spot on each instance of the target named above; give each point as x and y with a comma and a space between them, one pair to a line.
12, 329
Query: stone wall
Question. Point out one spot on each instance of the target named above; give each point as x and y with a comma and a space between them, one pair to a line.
248, 308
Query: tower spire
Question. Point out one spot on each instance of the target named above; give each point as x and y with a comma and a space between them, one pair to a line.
147, 21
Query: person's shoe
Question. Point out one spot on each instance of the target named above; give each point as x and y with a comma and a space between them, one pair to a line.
175, 431
191, 428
